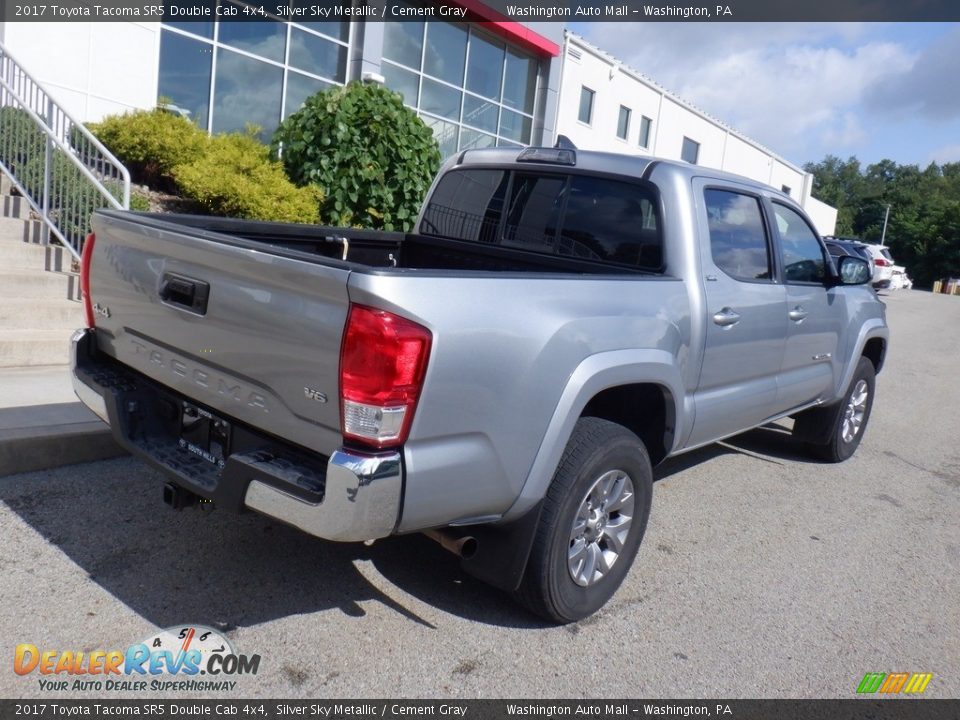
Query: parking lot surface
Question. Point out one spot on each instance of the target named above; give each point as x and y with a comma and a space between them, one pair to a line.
762, 574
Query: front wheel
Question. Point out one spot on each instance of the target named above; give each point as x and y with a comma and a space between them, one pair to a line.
593, 519
844, 423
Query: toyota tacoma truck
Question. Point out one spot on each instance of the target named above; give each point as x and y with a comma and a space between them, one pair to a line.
503, 378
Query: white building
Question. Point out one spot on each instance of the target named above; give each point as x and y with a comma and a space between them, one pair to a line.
605, 105
477, 84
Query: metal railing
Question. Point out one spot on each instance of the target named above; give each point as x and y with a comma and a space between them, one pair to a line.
53, 161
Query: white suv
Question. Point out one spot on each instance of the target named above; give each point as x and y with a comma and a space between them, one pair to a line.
882, 264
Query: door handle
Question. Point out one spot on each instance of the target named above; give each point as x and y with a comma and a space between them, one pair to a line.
726, 317
797, 314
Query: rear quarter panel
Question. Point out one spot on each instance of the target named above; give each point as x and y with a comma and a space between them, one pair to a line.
504, 350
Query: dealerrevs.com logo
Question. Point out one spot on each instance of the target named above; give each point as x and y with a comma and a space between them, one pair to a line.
187, 658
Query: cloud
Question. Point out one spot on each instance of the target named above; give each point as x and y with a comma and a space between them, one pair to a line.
848, 133
794, 87
928, 87
946, 154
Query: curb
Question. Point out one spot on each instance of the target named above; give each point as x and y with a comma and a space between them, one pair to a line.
42, 437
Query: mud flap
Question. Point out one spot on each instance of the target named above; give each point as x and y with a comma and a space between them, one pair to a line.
502, 550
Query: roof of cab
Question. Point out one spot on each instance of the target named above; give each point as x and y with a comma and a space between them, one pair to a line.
605, 162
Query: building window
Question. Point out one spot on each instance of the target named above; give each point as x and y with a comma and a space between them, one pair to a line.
785, 189
226, 76
248, 92
645, 123
623, 123
586, 105
471, 89
184, 83
690, 151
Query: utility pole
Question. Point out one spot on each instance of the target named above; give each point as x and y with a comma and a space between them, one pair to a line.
885, 218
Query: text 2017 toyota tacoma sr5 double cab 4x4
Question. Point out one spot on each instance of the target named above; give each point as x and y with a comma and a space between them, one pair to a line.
503, 378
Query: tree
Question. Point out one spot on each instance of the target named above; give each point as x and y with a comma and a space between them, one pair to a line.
923, 230
373, 157
840, 184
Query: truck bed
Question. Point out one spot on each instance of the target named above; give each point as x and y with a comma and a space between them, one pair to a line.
379, 249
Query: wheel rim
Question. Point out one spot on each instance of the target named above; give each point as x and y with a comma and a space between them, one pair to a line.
855, 411
600, 527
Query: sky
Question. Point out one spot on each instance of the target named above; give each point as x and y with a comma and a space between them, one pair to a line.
808, 90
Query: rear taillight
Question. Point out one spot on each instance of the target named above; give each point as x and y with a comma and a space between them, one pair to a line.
880, 262
382, 363
85, 257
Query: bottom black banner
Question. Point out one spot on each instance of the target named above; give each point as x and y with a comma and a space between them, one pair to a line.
892, 709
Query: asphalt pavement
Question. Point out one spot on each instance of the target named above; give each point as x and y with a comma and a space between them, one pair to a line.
762, 574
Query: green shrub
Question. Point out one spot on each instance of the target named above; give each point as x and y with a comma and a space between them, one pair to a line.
374, 158
72, 198
151, 143
139, 201
20, 139
235, 177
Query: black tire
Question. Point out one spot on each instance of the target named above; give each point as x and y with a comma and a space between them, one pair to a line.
596, 449
834, 443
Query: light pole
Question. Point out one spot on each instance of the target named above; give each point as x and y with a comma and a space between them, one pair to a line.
886, 217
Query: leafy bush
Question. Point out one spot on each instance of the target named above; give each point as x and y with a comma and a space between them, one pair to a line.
235, 177
151, 143
373, 156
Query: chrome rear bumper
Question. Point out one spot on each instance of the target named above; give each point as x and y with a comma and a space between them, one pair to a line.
358, 499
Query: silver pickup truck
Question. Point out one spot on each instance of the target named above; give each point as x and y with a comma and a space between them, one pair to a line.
502, 379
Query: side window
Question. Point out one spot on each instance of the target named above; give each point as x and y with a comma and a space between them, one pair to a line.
466, 205
803, 259
738, 239
612, 221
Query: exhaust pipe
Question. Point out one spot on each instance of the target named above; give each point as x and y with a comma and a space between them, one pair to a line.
464, 547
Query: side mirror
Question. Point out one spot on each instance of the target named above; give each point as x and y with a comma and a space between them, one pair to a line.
853, 270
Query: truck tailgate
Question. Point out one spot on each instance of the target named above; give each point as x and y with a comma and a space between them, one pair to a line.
248, 330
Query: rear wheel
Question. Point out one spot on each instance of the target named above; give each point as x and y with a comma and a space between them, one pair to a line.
843, 425
593, 519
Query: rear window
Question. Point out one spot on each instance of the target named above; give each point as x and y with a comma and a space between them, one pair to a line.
591, 218
467, 205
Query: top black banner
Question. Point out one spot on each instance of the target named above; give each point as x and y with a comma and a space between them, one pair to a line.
565, 11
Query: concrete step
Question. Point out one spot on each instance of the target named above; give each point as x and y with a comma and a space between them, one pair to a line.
48, 435
38, 284
28, 256
41, 314
29, 348
14, 206
20, 230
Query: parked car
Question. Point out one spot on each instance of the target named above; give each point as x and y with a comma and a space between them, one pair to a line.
502, 379
883, 264
899, 280
839, 247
